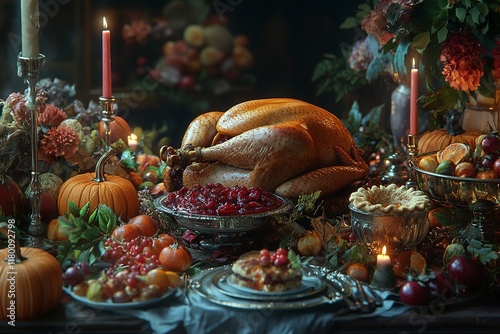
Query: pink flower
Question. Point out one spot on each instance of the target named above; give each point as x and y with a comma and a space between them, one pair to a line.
137, 31
463, 58
60, 141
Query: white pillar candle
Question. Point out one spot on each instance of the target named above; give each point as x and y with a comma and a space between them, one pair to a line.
30, 24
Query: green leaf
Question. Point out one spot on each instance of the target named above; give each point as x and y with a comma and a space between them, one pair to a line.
84, 210
73, 208
442, 34
460, 13
400, 56
128, 160
93, 216
349, 23
294, 259
421, 41
466, 3
91, 233
107, 219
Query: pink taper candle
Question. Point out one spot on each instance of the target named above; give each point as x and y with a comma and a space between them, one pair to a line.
106, 60
413, 100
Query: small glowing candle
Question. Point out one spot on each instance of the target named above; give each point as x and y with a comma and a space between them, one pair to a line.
384, 260
413, 100
106, 60
132, 141
30, 23
383, 277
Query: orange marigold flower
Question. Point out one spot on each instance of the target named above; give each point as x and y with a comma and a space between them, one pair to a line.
61, 141
51, 116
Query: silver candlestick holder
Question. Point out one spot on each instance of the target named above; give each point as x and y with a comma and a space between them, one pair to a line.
412, 152
29, 70
107, 105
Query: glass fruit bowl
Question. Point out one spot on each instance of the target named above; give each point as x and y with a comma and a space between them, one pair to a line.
222, 224
453, 190
398, 231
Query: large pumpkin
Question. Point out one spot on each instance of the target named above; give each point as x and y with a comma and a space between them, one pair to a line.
114, 191
119, 129
30, 282
438, 139
12, 199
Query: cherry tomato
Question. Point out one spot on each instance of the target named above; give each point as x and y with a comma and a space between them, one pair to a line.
415, 294
358, 271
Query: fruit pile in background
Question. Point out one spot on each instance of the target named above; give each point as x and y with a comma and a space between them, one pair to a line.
193, 49
457, 159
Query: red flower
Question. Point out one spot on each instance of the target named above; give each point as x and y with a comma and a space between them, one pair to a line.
60, 141
51, 116
463, 58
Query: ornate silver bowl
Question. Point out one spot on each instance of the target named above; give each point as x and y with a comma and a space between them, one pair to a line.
480, 196
222, 224
453, 190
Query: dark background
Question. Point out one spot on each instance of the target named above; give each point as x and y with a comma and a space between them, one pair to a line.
287, 38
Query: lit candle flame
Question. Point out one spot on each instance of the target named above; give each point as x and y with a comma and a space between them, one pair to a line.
413, 63
105, 25
384, 250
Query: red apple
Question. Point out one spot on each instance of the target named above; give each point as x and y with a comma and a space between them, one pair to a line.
496, 166
490, 144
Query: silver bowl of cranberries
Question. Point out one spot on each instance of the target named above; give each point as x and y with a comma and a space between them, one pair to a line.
214, 208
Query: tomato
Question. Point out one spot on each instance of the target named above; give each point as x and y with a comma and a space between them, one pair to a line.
358, 271
125, 233
486, 175
160, 278
147, 225
415, 293
465, 169
467, 272
166, 239
175, 258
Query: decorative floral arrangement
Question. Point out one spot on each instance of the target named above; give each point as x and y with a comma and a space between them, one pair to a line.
192, 51
454, 43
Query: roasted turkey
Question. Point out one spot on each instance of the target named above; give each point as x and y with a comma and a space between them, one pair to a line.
284, 145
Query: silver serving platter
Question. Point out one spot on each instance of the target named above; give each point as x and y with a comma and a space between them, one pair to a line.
222, 224
209, 284
455, 190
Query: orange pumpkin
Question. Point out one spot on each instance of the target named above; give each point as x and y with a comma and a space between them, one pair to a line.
116, 192
119, 129
30, 282
438, 139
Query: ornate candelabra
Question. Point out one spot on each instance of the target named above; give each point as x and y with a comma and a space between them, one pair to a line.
412, 152
108, 114
29, 70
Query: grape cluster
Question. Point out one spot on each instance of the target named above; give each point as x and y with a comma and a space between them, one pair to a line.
216, 199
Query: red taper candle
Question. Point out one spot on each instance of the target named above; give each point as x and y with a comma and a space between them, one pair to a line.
106, 60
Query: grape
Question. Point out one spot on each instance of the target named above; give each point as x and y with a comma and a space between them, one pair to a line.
73, 276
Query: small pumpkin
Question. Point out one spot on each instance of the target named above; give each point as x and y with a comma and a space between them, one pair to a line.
439, 139
119, 129
116, 192
30, 282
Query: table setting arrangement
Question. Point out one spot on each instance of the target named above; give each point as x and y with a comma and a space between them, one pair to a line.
231, 229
